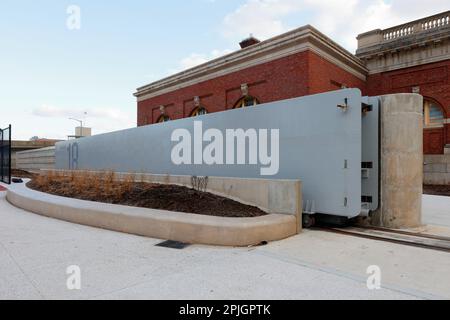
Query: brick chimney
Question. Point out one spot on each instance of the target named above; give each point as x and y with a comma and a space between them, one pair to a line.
248, 42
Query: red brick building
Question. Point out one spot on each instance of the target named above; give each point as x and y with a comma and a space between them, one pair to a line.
414, 57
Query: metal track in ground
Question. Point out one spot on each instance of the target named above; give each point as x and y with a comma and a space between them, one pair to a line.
409, 233
426, 241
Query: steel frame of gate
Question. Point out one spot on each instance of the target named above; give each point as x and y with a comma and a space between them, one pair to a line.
329, 141
5, 156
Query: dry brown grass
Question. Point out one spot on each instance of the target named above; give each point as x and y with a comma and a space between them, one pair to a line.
101, 184
126, 185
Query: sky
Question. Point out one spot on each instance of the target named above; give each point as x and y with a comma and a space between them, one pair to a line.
84, 59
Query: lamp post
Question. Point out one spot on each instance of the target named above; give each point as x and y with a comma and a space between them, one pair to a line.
81, 125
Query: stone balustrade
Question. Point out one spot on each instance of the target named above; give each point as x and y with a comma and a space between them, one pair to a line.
378, 36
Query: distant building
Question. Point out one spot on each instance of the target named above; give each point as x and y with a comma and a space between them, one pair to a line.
81, 132
413, 57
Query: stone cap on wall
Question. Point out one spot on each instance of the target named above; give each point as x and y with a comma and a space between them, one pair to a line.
34, 144
417, 32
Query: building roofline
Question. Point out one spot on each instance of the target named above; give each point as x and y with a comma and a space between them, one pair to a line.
305, 34
403, 24
405, 43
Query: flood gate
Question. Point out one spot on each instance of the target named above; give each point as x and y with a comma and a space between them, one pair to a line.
329, 141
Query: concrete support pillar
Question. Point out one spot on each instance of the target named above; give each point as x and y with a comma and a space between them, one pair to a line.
401, 162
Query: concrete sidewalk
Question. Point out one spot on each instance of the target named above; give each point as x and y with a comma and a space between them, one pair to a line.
436, 210
35, 252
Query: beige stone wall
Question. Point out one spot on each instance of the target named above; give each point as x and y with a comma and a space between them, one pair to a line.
401, 162
437, 169
35, 160
20, 146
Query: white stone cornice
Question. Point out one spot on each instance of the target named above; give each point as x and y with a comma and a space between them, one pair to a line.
299, 40
420, 55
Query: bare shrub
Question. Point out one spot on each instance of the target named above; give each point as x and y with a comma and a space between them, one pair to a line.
108, 183
79, 182
127, 184
97, 184
199, 183
39, 180
72, 176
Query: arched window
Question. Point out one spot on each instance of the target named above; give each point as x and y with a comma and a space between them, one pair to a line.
199, 111
247, 101
433, 115
163, 118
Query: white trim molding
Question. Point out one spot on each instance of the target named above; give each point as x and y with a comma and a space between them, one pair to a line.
298, 40
437, 125
433, 126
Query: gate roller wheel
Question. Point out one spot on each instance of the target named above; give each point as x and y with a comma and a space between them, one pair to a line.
308, 221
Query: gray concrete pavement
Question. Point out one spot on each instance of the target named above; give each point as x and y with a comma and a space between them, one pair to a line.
436, 210
35, 252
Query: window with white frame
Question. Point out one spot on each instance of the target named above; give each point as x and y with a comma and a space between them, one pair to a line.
433, 115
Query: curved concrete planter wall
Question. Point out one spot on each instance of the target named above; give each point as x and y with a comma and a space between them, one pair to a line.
280, 196
189, 228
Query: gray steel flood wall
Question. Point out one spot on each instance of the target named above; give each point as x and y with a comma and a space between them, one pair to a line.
319, 143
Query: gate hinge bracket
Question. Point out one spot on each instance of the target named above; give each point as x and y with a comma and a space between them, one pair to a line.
344, 107
366, 108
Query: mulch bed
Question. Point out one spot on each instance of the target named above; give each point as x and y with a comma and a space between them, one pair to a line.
437, 190
22, 174
163, 197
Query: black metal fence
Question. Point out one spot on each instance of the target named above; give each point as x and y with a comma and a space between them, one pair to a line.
5, 155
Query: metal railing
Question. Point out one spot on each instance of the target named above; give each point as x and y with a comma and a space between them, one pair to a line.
5, 155
418, 26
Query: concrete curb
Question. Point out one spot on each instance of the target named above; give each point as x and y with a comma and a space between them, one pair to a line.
189, 228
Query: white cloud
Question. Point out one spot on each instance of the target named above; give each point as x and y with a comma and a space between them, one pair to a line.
196, 59
100, 119
262, 18
340, 20
332, 14
98, 113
